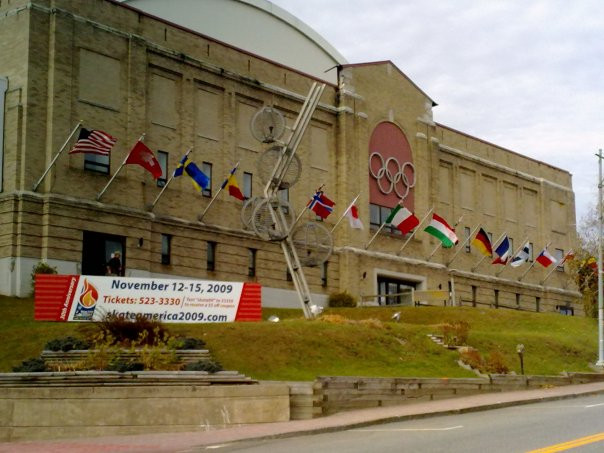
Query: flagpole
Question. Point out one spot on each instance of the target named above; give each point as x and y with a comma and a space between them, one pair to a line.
463, 244
533, 263
484, 256
35, 186
440, 245
414, 231
98, 197
511, 257
343, 215
232, 172
166, 185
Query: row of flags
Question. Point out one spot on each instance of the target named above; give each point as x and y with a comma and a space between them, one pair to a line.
503, 252
100, 143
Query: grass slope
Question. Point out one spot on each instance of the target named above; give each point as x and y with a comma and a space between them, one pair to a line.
355, 342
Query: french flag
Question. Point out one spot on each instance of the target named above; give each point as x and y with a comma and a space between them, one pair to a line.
545, 258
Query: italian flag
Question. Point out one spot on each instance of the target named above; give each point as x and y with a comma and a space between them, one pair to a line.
402, 219
441, 230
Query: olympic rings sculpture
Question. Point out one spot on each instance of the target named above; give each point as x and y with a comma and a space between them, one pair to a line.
392, 179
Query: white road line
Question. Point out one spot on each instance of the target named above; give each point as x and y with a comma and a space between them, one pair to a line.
449, 428
594, 405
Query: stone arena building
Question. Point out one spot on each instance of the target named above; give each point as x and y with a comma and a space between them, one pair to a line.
193, 74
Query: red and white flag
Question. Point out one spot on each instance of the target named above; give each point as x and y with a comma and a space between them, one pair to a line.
545, 258
93, 142
143, 156
353, 218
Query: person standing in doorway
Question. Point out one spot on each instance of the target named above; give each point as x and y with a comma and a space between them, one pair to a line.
114, 265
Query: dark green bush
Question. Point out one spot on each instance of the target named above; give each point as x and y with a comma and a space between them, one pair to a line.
342, 299
123, 366
66, 344
203, 365
190, 343
125, 332
41, 268
35, 365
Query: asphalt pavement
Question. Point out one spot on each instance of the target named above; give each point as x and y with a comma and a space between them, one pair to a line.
192, 441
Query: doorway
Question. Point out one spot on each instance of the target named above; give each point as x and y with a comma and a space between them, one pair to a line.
395, 292
97, 249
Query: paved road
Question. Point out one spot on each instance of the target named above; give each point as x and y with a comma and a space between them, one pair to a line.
512, 429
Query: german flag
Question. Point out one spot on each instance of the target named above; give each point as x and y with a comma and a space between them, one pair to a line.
482, 243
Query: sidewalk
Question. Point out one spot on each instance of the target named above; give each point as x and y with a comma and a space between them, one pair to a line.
175, 442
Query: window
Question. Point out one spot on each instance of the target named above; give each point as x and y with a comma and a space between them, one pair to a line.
559, 255
511, 247
162, 158
247, 185
378, 215
530, 252
211, 256
283, 195
490, 235
517, 300
467, 232
251, 266
166, 245
395, 292
206, 168
496, 298
288, 275
97, 163
324, 274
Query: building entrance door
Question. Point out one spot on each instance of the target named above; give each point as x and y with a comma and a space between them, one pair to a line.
395, 292
97, 249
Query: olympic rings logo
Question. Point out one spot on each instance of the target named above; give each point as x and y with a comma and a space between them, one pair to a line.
394, 180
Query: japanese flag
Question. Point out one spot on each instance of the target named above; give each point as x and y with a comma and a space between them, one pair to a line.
353, 218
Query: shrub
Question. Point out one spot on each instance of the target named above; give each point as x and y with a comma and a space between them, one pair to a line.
455, 333
203, 365
115, 330
342, 299
36, 365
495, 363
66, 344
41, 268
123, 366
189, 343
473, 358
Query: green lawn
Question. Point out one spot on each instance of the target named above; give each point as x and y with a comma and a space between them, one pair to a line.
348, 344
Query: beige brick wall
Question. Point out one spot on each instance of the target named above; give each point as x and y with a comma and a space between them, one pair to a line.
145, 64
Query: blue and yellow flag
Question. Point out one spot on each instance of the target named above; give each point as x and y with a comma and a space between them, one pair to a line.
199, 178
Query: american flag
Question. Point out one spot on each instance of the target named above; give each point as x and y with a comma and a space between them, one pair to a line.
93, 142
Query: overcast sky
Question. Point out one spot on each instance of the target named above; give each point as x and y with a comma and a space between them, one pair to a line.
525, 75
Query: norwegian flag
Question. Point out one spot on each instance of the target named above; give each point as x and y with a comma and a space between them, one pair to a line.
321, 205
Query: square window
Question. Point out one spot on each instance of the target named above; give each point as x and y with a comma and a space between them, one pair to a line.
251, 267
247, 185
96, 163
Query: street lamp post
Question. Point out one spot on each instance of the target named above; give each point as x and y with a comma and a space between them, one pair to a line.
600, 362
520, 351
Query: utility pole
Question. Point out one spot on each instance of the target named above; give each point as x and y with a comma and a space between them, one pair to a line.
600, 362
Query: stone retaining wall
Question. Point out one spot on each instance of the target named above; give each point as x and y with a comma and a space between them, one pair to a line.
336, 394
48, 407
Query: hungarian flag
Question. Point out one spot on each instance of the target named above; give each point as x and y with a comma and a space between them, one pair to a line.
231, 183
482, 243
321, 205
143, 156
545, 258
353, 218
441, 230
403, 219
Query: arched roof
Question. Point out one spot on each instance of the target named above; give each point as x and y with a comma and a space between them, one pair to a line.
257, 26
